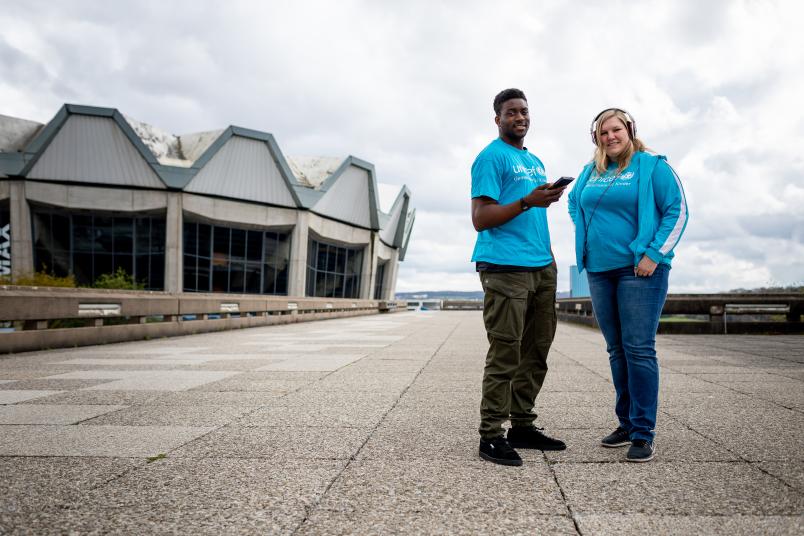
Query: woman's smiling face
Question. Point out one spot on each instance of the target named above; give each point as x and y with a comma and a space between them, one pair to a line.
614, 137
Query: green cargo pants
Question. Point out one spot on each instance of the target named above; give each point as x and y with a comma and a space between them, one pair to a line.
520, 317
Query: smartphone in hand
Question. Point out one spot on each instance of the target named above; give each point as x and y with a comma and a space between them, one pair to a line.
563, 181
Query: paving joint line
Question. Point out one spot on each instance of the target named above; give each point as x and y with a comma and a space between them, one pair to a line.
310, 509
567, 504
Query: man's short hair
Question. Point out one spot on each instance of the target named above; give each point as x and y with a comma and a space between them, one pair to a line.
506, 95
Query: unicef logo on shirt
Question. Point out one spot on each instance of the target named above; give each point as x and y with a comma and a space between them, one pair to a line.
529, 171
627, 176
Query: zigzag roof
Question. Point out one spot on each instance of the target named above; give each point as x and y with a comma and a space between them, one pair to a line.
318, 184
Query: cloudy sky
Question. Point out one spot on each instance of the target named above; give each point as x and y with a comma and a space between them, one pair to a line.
715, 85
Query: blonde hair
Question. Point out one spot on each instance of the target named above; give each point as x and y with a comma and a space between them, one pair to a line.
623, 160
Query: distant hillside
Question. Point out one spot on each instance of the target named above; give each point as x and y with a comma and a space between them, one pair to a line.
439, 295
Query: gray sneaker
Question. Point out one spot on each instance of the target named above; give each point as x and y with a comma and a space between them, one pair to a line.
641, 451
618, 438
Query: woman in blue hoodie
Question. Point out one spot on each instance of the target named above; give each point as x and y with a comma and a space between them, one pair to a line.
629, 211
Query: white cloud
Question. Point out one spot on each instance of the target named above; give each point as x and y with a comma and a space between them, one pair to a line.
408, 86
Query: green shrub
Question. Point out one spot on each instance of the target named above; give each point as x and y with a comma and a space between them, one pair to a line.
41, 279
118, 280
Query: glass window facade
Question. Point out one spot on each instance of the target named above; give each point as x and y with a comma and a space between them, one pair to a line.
5, 240
333, 271
379, 279
90, 245
228, 259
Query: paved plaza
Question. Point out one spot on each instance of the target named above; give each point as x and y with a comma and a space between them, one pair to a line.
368, 425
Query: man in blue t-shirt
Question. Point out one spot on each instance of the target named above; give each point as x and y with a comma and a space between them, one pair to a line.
510, 196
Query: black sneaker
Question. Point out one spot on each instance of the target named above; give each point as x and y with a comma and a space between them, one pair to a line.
531, 437
618, 438
498, 450
640, 451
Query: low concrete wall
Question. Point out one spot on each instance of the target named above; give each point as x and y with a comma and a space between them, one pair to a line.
154, 314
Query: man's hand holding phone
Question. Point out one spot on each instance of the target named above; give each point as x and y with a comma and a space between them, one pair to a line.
547, 194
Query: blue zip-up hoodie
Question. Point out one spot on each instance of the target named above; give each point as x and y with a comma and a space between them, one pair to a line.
662, 212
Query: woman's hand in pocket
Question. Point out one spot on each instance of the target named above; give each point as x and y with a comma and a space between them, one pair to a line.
645, 267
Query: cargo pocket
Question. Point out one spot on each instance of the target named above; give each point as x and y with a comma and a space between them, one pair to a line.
504, 304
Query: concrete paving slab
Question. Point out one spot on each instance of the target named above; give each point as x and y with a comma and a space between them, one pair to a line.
583, 383
720, 399
51, 414
244, 365
422, 441
325, 523
119, 441
130, 362
102, 398
313, 363
258, 381
317, 414
10, 396
169, 380
215, 398
325, 408
146, 520
578, 399
347, 380
277, 443
787, 393
740, 525
685, 383
759, 432
675, 489
423, 486
372, 366
747, 376
190, 483
31, 484
160, 415
576, 417
50, 385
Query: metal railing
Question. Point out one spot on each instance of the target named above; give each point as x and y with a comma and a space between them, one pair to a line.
716, 311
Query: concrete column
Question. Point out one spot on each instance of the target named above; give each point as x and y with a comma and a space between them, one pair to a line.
174, 248
391, 271
297, 276
369, 269
22, 262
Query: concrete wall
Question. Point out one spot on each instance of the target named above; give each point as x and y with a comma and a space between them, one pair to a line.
95, 198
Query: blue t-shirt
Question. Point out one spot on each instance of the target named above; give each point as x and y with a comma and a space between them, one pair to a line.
506, 174
613, 226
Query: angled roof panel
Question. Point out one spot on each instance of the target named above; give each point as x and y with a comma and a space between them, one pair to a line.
243, 168
406, 234
95, 149
393, 228
346, 197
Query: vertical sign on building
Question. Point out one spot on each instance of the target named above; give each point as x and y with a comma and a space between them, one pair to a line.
5, 242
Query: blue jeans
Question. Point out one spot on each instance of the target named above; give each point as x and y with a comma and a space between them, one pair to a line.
627, 309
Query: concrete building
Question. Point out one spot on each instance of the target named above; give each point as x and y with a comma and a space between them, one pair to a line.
579, 284
223, 211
